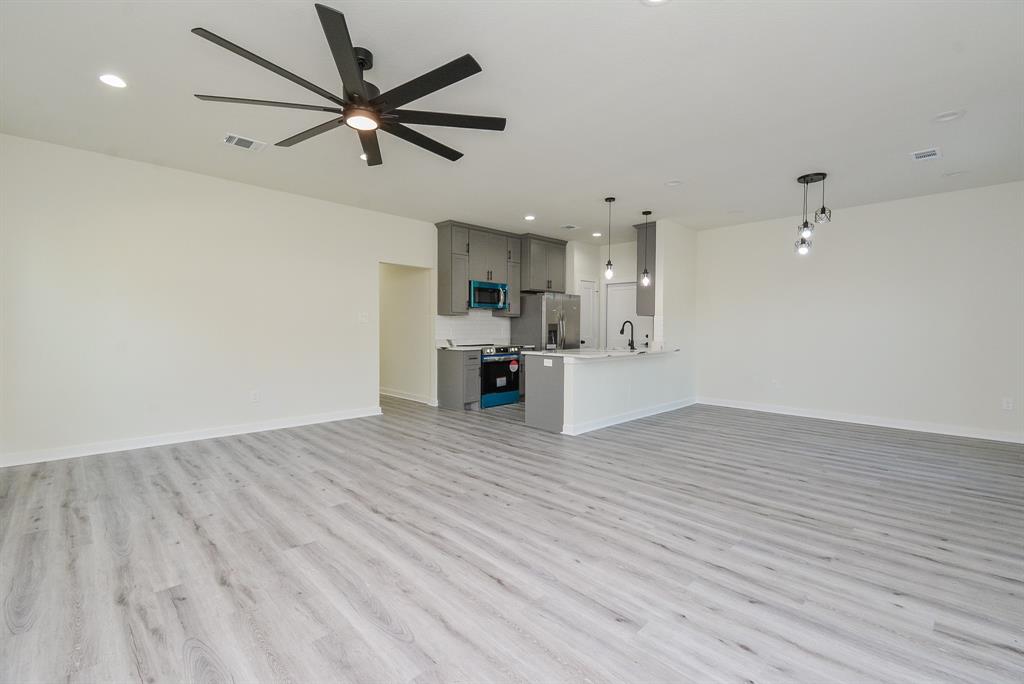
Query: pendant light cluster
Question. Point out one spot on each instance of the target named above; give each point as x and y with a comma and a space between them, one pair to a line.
805, 231
609, 273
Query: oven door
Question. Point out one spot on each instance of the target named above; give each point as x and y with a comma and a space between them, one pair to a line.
499, 380
487, 295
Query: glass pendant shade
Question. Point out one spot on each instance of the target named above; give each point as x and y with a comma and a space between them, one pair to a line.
805, 230
608, 272
802, 246
823, 215
645, 278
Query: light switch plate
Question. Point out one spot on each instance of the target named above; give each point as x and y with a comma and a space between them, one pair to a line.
549, 362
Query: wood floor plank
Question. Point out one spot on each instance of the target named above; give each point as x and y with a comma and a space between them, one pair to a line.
426, 545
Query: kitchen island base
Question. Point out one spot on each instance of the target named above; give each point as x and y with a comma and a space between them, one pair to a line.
576, 391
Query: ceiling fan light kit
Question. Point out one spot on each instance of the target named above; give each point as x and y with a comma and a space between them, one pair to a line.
805, 231
362, 106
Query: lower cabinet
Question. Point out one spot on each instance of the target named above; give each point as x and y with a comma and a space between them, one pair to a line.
458, 379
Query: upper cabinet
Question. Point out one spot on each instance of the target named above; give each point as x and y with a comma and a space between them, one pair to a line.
466, 252
452, 268
488, 256
543, 264
646, 250
513, 252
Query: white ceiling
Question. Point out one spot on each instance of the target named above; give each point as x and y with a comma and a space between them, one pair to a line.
733, 99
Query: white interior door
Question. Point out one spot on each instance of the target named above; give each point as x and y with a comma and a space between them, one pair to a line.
620, 305
588, 314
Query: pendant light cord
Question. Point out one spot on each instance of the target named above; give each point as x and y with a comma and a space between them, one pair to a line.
645, 242
610, 230
805, 202
822, 192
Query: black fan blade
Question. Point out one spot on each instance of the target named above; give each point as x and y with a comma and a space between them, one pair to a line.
268, 103
256, 59
340, 42
371, 147
441, 77
417, 138
487, 123
309, 133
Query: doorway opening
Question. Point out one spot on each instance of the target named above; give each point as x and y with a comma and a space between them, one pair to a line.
407, 364
589, 314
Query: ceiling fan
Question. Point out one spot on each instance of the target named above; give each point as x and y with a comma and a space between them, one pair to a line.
363, 107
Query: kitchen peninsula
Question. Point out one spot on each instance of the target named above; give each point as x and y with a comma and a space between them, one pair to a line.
573, 391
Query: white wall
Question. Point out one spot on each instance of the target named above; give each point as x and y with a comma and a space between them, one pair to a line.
675, 302
479, 326
144, 304
581, 263
907, 313
408, 364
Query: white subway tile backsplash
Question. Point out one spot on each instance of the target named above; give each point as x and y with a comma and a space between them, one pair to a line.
478, 327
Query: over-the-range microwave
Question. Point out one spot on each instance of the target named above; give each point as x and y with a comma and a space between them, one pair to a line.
484, 295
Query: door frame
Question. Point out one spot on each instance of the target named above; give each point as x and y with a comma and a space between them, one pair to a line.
594, 344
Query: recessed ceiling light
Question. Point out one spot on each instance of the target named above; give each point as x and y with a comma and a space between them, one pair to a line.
673, 183
529, 217
363, 156
569, 226
596, 234
654, 2
950, 174
946, 117
113, 81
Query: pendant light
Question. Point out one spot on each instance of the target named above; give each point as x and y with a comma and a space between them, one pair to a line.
645, 277
805, 231
608, 272
823, 215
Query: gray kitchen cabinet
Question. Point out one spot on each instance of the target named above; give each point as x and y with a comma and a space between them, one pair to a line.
556, 267
543, 265
514, 269
458, 378
459, 287
515, 249
488, 256
646, 251
466, 252
459, 239
452, 269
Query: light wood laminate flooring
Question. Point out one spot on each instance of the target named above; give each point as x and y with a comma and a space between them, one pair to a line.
426, 545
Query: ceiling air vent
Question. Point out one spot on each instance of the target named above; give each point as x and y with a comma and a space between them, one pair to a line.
930, 153
244, 143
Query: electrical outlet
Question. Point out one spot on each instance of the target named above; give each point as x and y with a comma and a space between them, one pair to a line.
1007, 403
364, 317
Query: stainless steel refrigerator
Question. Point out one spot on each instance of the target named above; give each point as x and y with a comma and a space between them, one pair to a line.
548, 320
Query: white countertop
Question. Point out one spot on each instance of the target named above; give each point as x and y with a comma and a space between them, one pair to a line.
592, 354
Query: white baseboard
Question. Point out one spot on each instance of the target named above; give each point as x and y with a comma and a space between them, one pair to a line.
918, 426
590, 425
421, 398
77, 450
